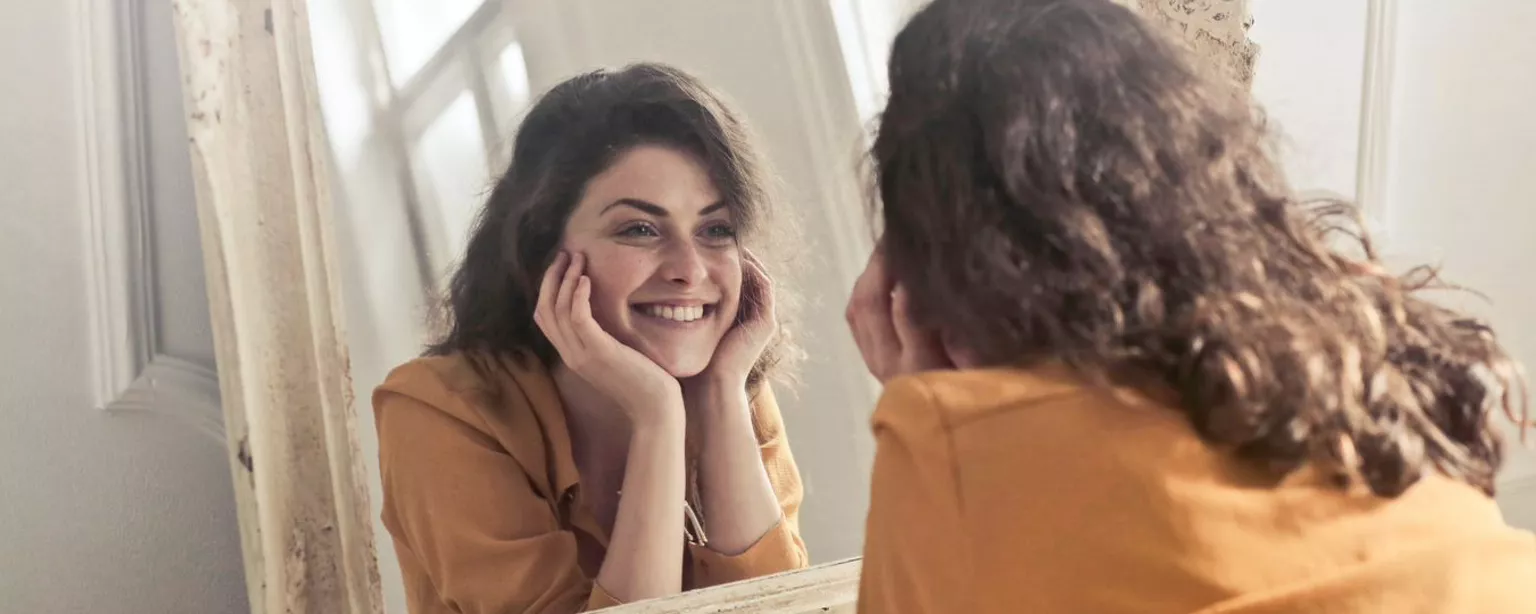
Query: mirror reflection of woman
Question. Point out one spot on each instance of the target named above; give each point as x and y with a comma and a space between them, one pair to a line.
596, 426
1126, 372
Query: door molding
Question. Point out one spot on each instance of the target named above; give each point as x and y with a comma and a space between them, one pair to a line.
130, 371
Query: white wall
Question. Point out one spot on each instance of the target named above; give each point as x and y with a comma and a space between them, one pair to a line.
1311, 62
1463, 169
122, 511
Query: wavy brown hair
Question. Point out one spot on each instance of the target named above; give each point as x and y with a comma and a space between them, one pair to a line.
574, 132
1060, 182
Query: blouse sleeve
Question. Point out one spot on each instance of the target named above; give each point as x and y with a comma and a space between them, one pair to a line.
466, 512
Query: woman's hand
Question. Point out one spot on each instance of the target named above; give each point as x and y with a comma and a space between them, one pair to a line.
755, 326
880, 317
644, 390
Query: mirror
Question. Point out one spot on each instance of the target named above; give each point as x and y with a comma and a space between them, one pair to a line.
342, 151
421, 102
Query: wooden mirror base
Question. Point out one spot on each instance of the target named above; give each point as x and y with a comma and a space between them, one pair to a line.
833, 587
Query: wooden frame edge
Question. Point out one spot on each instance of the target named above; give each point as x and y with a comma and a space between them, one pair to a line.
832, 587
263, 204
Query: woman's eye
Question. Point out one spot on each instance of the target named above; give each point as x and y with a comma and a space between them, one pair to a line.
639, 230
720, 231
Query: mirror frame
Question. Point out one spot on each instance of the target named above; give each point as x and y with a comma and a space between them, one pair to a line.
260, 168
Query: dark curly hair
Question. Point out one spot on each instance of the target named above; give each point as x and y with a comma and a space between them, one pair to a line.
574, 132
1060, 182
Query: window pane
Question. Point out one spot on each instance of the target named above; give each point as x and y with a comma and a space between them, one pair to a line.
514, 76
865, 30
414, 30
452, 175
344, 99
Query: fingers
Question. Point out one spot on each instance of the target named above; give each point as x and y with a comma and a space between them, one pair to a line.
582, 325
907, 332
869, 317
564, 300
756, 292
549, 289
568, 280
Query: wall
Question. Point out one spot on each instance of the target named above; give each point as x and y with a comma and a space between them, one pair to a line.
128, 510
1308, 78
1462, 171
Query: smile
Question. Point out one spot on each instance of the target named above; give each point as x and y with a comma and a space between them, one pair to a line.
676, 313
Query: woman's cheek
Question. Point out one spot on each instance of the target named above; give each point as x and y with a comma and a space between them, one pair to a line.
729, 277
613, 275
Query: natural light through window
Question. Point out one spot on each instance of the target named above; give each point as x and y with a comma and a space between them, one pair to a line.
514, 75
865, 29
451, 167
413, 31
344, 99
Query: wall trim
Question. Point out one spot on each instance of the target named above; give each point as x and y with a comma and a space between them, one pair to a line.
1375, 147
130, 372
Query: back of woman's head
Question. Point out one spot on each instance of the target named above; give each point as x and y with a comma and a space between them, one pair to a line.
1059, 182
573, 133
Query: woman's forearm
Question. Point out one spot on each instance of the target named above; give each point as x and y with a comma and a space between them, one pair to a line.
739, 503
645, 554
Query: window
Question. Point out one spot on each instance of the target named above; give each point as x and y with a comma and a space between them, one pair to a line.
865, 31
412, 32
417, 97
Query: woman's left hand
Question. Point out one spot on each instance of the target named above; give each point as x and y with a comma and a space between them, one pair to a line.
755, 327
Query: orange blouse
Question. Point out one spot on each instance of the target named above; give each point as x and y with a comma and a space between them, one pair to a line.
1027, 491
484, 502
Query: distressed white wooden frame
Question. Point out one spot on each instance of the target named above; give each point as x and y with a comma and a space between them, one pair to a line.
259, 159
259, 167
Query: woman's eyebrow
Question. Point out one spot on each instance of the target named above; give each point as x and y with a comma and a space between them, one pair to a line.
655, 209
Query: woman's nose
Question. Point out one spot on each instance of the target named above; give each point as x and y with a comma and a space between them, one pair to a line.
682, 264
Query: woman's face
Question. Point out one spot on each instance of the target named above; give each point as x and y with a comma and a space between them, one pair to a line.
662, 256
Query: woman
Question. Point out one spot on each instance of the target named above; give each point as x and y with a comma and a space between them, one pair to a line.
1125, 371
609, 335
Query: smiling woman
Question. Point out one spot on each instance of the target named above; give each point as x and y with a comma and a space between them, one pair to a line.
599, 343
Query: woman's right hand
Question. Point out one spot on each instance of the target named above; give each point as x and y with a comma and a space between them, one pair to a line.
879, 314
644, 390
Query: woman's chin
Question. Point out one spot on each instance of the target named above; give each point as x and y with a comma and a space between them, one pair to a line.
678, 365
685, 369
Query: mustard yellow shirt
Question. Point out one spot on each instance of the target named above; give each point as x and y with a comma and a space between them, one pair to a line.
1020, 491
483, 499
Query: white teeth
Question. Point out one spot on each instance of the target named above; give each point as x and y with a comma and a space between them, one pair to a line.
675, 313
